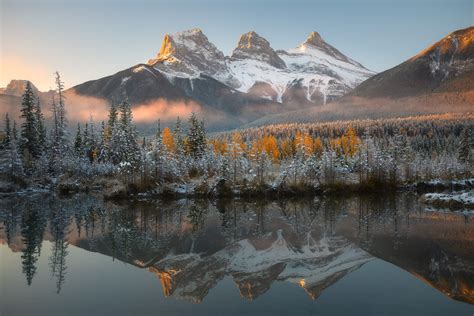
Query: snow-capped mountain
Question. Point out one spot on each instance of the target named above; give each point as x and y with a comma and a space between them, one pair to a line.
313, 73
189, 54
254, 81
438, 79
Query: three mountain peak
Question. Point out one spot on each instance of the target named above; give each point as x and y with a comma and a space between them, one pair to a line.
249, 43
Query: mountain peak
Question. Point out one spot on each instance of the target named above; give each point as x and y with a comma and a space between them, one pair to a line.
250, 39
186, 39
253, 46
314, 39
17, 87
456, 45
189, 53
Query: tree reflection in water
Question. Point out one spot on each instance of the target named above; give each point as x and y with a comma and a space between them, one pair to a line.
193, 244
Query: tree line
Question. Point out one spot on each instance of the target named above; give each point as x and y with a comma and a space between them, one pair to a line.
384, 151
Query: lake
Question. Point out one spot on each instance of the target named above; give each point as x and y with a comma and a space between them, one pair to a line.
355, 255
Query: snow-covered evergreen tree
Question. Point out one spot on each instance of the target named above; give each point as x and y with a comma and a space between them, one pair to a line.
8, 130
78, 141
466, 145
196, 137
15, 131
124, 147
61, 141
40, 127
178, 138
29, 143
59, 137
15, 163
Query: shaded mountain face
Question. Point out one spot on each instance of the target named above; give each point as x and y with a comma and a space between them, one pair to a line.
253, 82
139, 83
446, 66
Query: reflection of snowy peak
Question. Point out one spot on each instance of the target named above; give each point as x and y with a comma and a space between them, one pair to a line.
313, 73
313, 264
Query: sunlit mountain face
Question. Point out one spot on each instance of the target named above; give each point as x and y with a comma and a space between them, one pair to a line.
191, 247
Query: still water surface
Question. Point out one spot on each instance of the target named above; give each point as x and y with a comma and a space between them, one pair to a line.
348, 256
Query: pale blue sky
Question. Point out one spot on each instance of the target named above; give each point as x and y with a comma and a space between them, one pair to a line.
86, 39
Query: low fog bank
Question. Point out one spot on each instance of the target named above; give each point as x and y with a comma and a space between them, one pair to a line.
82, 109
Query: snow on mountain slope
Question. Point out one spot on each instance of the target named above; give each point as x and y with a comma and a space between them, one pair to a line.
313, 73
188, 54
320, 70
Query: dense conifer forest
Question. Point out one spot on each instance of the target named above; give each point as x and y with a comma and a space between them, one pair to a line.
303, 158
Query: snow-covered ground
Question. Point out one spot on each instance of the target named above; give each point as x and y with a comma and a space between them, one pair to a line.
454, 199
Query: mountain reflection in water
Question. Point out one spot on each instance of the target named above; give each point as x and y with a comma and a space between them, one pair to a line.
192, 245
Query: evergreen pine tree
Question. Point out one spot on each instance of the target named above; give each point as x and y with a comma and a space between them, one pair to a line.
86, 140
466, 145
103, 134
16, 166
104, 143
158, 150
61, 103
59, 137
202, 138
78, 141
178, 138
8, 131
124, 145
196, 137
113, 114
15, 131
40, 128
29, 145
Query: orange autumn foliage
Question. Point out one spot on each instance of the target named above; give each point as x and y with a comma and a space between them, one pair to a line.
168, 140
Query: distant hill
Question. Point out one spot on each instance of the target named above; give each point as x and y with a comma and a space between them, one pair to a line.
10, 98
446, 66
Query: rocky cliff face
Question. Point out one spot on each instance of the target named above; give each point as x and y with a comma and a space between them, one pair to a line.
17, 87
190, 53
253, 46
